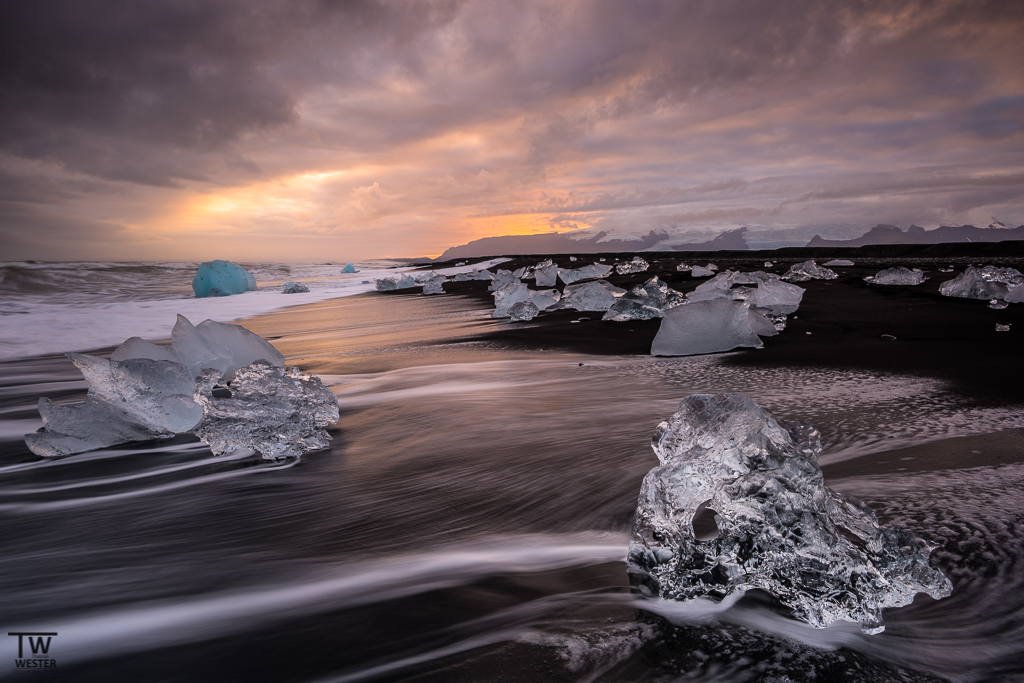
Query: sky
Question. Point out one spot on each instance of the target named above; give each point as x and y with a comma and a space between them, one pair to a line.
314, 130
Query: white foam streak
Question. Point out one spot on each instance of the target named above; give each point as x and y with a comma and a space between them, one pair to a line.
166, 623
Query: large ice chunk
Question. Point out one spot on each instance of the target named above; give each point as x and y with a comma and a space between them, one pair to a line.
897, 275
644, 302
508, 294
716, 287
131, 400
808, 270
779, 528
591, 272
349, 268
777, 296
280, 412
989, 282
290, 287
221, 278
588, 296
502, 278
385, 284
637, 265
708, 327
1015, 295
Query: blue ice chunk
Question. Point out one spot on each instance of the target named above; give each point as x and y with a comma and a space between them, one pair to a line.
221, 278
349, 268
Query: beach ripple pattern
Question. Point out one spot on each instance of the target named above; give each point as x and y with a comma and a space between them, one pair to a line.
780, 529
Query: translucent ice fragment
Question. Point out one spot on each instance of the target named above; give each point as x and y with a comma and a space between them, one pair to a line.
778, 297
1002, 328
502, 278
545, 298
523, 310
706, 327
591, 272
385, 284
221, 278
683, 268
701, 271
627, 309
244, 347
290, 287
588, 296
1015, 295
637, 265
988, 282
131, 400
280, 412
349, 268
546, 274
897, 275
509, 294
754, 277
837, 262
780, 529
644, 302
808, 270
405, 282
433, 284
997, 305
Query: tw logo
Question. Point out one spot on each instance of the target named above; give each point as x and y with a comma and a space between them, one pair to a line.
38, 645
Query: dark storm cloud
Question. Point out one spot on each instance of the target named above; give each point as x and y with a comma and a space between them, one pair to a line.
390, 115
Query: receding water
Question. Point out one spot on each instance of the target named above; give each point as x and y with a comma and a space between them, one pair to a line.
469, 523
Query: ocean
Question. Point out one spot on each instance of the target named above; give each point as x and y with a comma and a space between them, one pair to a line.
471, 518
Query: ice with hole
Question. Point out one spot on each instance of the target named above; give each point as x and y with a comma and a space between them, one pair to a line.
808, 270
221, 278
646, 301
710, 326
290, 287
988, 282
778, 528
636, 265
897, 275
544, 299
147, 391
591, 272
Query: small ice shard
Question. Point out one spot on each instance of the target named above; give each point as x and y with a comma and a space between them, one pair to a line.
708, 327
997, 305
290, 287
572, 258
779, 297
463, 277
508, 294
222, 278
385, 284
808, 270
644, 302
591, 272
897, 275
768, 264
522, 311
589, 296
519, 273
432, 285
779, 528
1002, 328
753, 278
637, 265
405, 282
602, 260
838, 262
716, 287
483, 275
460, 263
888, 337
502, 278
349, 268
988, 282
280, 412
544, 299
683, 268
546, 274
711, 266
701, 271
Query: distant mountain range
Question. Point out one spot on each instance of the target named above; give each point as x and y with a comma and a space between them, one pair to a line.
730, 240
915, 234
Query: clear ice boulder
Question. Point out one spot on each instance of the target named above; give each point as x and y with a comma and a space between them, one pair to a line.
221, 278
778, 527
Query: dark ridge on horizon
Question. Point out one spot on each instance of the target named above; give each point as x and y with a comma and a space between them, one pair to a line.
915, 234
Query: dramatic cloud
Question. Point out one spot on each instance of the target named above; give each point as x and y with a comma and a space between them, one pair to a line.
327, 130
